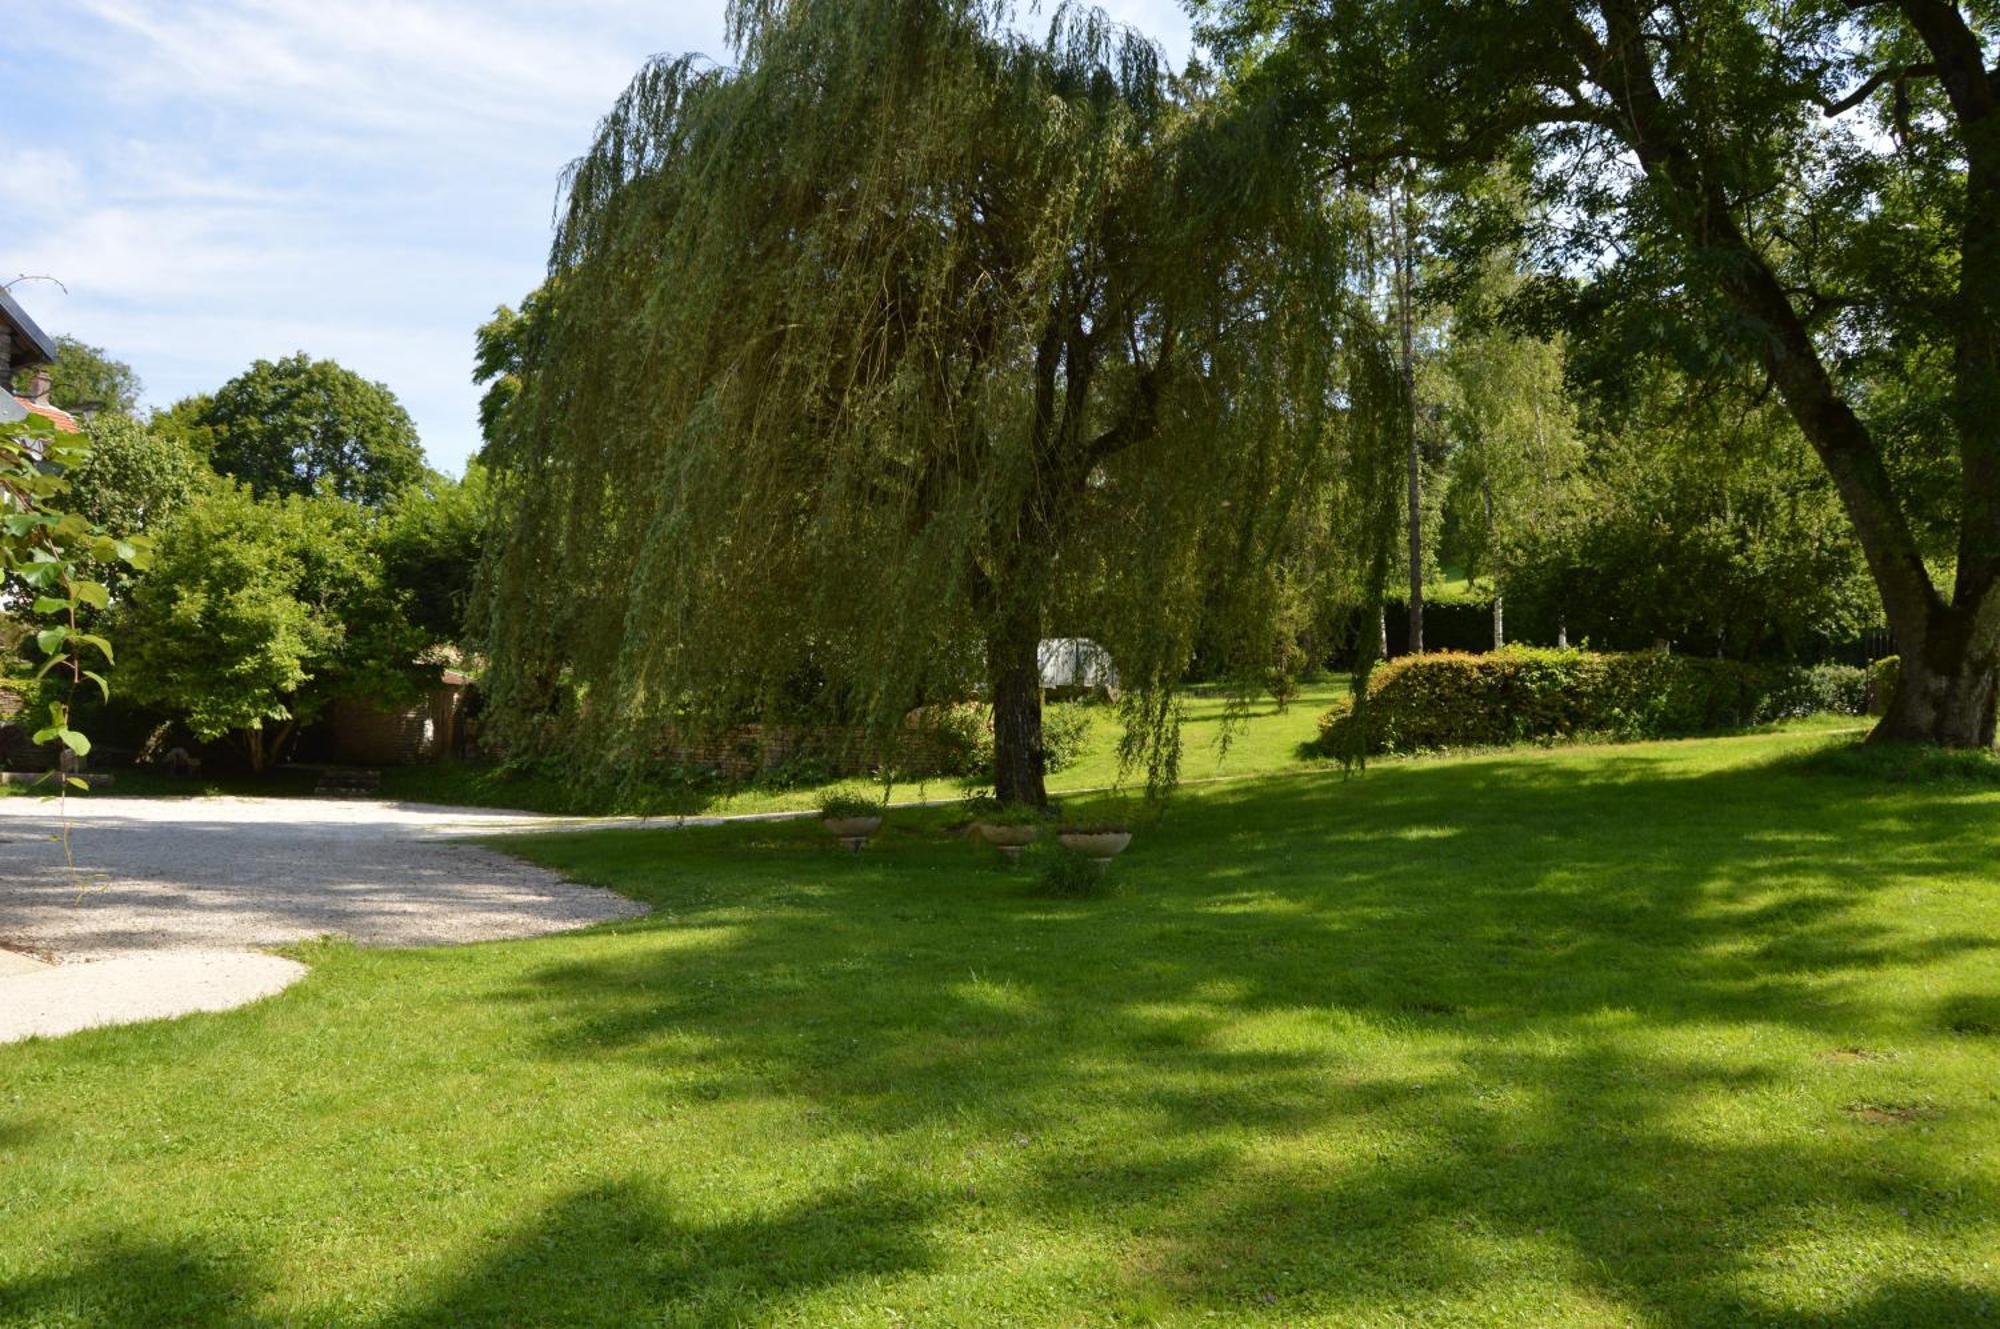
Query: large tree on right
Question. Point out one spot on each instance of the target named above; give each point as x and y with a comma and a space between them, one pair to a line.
1803, 197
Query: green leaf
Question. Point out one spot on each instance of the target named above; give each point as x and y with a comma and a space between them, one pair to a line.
94, 594
74, 782
49, 604
75, 742
103, 688
51, 639
92, 639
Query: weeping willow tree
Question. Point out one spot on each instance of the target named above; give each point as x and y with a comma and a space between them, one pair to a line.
868, 363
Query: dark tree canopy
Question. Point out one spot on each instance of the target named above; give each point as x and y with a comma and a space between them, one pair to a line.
1799, 198
866, 364
287, 426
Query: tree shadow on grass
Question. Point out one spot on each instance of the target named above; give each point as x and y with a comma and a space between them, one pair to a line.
612, 1253
140, 1283
1355, 1046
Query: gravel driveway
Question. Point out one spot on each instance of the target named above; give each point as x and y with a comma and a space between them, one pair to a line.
231, 873
170, 897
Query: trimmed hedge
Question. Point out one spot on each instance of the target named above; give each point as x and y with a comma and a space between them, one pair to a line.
1523, 694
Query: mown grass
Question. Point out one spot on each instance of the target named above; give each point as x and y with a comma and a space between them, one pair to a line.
1696, 1033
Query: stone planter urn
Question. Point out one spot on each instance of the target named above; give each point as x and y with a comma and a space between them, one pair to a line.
852, 832
1099, 847
1010, 840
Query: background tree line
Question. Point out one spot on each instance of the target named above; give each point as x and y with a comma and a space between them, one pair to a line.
301, 549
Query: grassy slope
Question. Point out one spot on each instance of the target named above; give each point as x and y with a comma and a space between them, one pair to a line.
1672, 1034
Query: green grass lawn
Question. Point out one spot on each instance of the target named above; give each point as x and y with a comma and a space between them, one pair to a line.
1671, 1034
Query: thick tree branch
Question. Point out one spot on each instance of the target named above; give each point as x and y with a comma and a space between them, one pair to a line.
1896, 74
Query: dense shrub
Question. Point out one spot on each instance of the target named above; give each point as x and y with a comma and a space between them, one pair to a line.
1884, 677
1827, 689
1449, 700
1067, 874
1065, 733
957, 739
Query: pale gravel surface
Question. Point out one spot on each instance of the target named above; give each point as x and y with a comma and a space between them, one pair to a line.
145, 985
192, 877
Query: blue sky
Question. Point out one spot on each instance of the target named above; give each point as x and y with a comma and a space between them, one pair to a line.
217, 181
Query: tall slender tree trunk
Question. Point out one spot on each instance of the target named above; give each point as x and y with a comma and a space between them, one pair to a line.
1401, 232
1014, 672
1499, 601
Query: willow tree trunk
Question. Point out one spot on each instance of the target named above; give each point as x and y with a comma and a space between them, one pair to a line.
1014, 673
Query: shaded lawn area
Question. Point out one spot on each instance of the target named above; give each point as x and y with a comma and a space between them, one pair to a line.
1218, 740
1673, 1034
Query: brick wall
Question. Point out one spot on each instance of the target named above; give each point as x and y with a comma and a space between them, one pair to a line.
363, 734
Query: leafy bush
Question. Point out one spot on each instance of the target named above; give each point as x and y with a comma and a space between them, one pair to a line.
1449, 700
957, 738
1884, 677
1834, 689
992, 812
954, 738
1065, 732
1066, 873
843, 806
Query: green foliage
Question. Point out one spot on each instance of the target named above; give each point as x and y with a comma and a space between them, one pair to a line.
992, 812
47, 557
289, 426
1691, 520
134, 478
432, 538
1822, 689
957, 738
1448, 700
846, 806
86, 378
256, 613
1794, 204
880, 350
1885, 676
1066, 733
1066, 874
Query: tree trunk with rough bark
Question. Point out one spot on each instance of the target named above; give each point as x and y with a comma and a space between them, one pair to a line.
1014, 672
1949, 677
1950, 650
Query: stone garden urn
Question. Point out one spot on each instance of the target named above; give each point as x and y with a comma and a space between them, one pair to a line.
852, 832
1100, 845
1009, 839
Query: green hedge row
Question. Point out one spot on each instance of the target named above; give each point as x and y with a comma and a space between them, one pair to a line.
1522, 694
